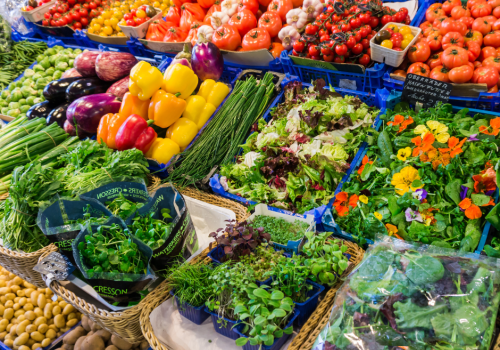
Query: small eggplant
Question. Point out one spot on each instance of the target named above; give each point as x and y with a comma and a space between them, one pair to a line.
40, 110
85, 87
56, 90
71, 130
58, 115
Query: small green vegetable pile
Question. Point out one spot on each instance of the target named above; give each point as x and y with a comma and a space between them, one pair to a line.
152, 232
113, 251
281, 231
122, 207
86, 219
28, 91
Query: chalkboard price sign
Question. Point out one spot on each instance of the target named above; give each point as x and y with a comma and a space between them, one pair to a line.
339, 37
425, 90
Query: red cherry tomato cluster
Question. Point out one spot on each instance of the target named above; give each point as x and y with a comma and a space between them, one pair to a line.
460, 44
73, 13
319, 41
136, 17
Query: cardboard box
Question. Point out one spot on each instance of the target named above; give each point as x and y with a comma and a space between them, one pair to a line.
463, 90
36, 15
141, 30
110, 40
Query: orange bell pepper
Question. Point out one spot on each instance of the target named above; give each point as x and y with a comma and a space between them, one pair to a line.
134, 105
108, 127
165, 108
102, 129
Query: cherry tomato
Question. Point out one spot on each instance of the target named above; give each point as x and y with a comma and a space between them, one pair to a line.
341, 49
386, 19
365, 43
298, 46
357, 49
311, 29
350, 42
364, 60
314, 50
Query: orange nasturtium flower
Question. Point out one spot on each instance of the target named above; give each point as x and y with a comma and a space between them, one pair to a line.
493, 129
485, 182
423, 144
401, 121
472, 211
454, 146
435, 157
343, 203
365, 161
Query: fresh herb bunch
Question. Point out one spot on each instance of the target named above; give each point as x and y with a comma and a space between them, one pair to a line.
424, 299
152, 232
191, 283
290, 276
225, 282
112, 250
259, 262
324, 257
241, 239
86, 219
123, 207
281, 231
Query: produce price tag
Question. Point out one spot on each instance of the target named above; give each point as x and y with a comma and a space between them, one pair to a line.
350, 2
55, 264
425, 90
339, 37
339, 7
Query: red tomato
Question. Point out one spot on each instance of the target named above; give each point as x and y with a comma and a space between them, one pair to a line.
435, 6
357, 49
425, 25
496, 12
473, 50
174, 35
339, 59
453, 39
84, 21
481, 10
271, 22
256, 39
299, 45
311, 29
471, 3
486, 52
431, 15
366, 43
173, 15
419, 68
467, 21
492, 62
364, 60
92, 5
243, 21
448, 5
419, 52
434, 42
228, 38
486, 75
461, 74
350, 42
490, 19
374, 21
314, 50
454, 57
386, 19
494, 3
439, 73
280, 6
431, 31
493, 90
76, 16
341, 49
451, 25
481, 26
492, 39
84, 13
77, 25
434, 61
473, 36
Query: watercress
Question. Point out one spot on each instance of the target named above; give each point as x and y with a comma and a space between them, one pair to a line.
152, 232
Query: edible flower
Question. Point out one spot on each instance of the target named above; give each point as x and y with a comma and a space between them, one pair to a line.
413, 215
435, 157
378, 215
342, 204
454, 146
404, 153
472, 211
403, 180
485, 182
365, 161
363, 199
439, 130
424, 144
420, 194
391, 229
401, 121
472, 138
493, 129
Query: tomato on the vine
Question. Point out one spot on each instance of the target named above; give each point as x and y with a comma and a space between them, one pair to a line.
386, 19
311, 29
314, 50
298, 46
364, 60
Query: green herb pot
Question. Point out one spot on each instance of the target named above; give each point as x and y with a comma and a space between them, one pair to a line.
278, 343
224, 326
197, 315
307, 307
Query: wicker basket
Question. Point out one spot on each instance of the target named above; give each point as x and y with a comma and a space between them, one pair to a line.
126, 323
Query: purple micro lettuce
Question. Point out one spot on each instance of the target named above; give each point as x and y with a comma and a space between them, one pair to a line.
413, 215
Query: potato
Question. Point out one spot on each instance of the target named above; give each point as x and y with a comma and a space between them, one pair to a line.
47, 310
28, 307
30, 342
67, 347
112, 347
36, 346
68, 309
13, 330
56, 309
37, 336
21, 318
43, 328
73, 336
21, 327
46, 342
20, 293
79, 343
59, 321
38, 312
9, 303
24, 347
72, 322
2, 335
10, 336
62, 304
9, 343
2, 309
15, 289
19, 313
65, 329
22, 339
95, 327
50, 321
85, 323
40, 320
16, 306
31, 328
93, 342
34, 297
53, 326
41, 301
3, 299
120, 343
8, 313
5, 290
3, 324
58, 334
9, 326
51, 334
104, 334
16, 300
71, 316
30, 315
10, 296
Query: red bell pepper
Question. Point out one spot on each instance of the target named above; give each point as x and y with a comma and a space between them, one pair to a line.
135, 132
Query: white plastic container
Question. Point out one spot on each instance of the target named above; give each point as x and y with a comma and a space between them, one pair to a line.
36, 15
140, 30
389, 56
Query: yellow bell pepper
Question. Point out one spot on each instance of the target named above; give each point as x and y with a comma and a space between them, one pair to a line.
180, 79
205, 115
194, 107
205, 88
165, 108
162, 150
218, 94
133, 105
145, 80
183, 132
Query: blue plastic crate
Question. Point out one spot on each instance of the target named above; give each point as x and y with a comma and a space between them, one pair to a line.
391, 100
307, 307
225, 327
278, 343
377, 99
370, 81
197, 315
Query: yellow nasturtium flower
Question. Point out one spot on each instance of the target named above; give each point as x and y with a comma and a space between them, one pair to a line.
439, 130
404, 153
403, 180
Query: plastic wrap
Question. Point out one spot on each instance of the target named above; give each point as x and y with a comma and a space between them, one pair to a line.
4, 35
10, 10
415, 296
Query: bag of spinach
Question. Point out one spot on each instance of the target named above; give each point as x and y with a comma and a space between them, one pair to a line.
62, 219
417, 296
164, 224
114, 263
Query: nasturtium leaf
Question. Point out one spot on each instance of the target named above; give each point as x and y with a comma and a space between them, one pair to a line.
241, 341
261, 293
253, 341
243, 316
279, 312
480, 199
288, 330
259, 320
270, 340
277, 295
278, 333
240, 308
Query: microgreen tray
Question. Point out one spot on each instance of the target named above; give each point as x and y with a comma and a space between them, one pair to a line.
197, 315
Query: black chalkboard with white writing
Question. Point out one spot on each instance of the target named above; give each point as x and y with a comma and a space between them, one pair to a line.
425, 90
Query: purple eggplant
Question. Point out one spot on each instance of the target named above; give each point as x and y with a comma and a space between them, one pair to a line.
206, 60
119, 88
85, 63
87, 111
58, 115
56, 90
111, 66
71, 73
40, 110
84, 87
183, 57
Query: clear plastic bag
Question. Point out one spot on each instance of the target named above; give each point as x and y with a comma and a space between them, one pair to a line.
10, 10
415, 296
4, 35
